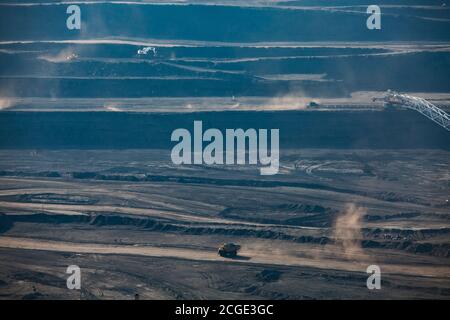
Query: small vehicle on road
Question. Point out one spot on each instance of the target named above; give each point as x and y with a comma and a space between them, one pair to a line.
228, 250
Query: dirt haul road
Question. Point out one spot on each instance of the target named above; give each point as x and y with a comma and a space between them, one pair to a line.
246, 255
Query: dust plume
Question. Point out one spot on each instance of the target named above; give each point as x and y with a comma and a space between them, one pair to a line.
6, 103
64, 55
287, 102
347, 230
113, 106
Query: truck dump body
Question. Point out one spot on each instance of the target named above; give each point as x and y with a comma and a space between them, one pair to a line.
228, 250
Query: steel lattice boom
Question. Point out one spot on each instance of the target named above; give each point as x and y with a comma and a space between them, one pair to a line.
418, 104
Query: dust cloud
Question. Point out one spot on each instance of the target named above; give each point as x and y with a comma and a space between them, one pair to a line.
347, 231
64, 55
113, 106
6, 103
287, 102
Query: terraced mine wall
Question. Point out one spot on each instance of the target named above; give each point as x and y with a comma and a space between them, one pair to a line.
298, 129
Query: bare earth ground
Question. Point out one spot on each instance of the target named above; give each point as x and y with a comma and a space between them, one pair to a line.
136, 224
147, 227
